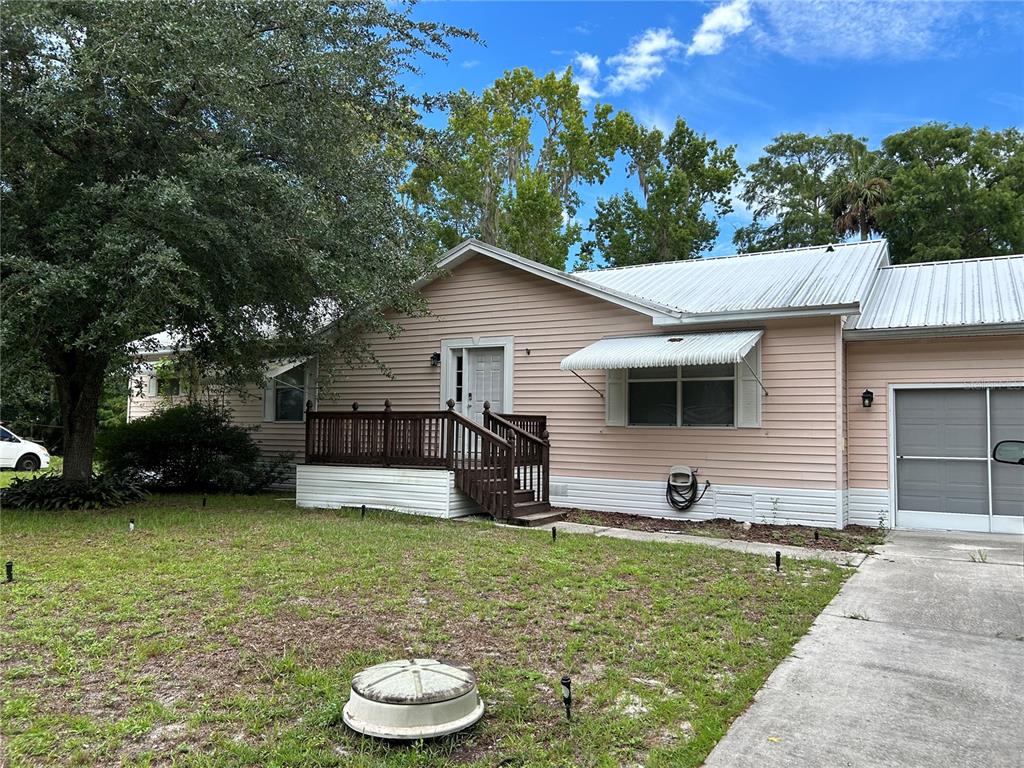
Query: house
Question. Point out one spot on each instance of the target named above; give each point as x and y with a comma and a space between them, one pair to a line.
815, 385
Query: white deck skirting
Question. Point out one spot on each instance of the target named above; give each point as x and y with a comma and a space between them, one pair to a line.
430, 492
757, 504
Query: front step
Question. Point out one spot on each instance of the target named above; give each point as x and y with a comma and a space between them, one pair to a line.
533, 513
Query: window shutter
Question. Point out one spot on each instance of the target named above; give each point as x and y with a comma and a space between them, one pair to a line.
268, 400
615, 397
153, 384
748, 390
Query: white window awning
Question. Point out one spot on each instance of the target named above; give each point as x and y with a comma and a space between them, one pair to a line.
657, 351
276, 367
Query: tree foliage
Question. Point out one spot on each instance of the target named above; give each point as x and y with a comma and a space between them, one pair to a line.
510, 163
684, 181
789, 189
228, 172
956, 192
859, 190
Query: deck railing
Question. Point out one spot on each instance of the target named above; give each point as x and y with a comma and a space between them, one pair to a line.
490, 461
531, 451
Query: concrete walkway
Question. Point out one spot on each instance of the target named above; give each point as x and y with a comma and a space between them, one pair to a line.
852, 559
918, 662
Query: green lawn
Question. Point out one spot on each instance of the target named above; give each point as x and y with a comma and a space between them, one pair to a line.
227, 635
8, 475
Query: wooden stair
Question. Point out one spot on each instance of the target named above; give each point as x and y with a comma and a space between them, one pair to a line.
533, 513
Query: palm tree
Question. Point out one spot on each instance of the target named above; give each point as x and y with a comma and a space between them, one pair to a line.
859, 191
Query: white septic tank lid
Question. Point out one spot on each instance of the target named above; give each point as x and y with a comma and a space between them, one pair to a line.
413, 699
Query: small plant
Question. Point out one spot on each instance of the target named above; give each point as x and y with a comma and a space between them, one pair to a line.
981, 556
52, 492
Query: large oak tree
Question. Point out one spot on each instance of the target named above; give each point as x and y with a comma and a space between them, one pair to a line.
225, 171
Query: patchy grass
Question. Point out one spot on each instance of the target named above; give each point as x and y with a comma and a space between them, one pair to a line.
227, 635
852, 538
7, 476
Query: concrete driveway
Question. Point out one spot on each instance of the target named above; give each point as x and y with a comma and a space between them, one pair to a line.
919, 661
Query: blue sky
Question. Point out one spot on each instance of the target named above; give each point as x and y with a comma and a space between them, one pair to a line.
743, 71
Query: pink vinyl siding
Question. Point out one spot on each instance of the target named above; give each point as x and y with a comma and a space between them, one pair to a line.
875, 365
795, 447
274, 438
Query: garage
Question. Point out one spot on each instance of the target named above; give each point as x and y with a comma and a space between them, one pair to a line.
945, 477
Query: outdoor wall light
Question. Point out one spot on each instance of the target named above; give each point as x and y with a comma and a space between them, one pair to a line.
867, 397
435, 359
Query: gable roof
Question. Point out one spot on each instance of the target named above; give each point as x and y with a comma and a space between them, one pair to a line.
823, 280
467, 249
944, 297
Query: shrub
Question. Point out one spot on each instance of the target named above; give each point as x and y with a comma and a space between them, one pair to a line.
55, 492
189, 447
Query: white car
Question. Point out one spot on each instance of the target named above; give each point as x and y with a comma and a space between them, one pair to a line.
23, 455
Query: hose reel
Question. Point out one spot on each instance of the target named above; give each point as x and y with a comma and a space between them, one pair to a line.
681, 490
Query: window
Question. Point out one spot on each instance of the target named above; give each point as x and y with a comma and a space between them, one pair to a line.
290, 394
690, 396
458, 378
168, 387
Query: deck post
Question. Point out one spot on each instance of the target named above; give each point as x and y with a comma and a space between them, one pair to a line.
545, 486
510, 479
449, 451
387, 433
309, 429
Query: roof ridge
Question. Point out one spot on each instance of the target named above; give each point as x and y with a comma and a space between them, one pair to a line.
953, 261
707, 259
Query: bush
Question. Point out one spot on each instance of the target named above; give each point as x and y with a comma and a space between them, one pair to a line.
190, 447
54, 492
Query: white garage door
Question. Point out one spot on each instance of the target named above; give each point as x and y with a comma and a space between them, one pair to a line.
945, 477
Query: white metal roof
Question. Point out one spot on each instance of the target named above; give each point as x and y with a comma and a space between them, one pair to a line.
657, 351
944, 295
818, 278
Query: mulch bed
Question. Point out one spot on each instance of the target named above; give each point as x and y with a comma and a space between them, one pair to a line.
851, 538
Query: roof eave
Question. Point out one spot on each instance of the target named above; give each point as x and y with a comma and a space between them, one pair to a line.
940, 332
762, 315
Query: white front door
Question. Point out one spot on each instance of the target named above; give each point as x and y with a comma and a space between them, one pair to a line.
484, 369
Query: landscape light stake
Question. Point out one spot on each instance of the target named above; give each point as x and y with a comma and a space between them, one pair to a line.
815, 534
567, 697
554, 533
10, 571
362, 515
778, 561
131, 524
204, 499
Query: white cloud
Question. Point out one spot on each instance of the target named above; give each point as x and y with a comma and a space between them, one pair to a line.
643, 61
469, 63
832, 29
858, 29
726, 20
586, 70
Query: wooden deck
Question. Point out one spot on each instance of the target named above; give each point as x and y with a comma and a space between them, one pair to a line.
503, 465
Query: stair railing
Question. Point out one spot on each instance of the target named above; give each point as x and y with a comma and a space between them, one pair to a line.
532, 454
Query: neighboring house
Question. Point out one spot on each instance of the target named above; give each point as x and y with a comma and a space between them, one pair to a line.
815, 385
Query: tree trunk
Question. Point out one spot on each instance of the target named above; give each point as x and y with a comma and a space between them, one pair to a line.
865, 230
79, 380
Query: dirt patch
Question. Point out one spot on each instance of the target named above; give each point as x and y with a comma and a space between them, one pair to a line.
852, 538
